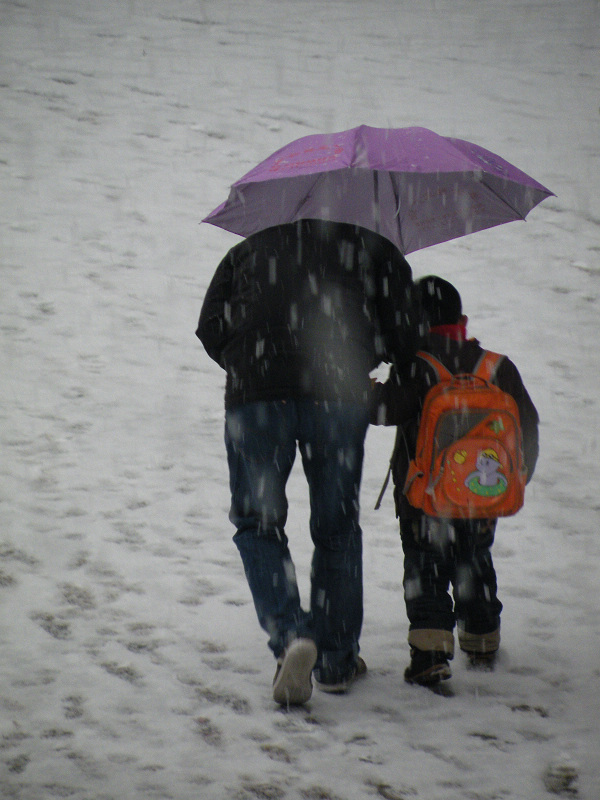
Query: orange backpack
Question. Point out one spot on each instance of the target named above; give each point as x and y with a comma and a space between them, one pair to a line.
469, 455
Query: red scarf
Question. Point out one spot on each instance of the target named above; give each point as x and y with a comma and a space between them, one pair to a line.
458, 331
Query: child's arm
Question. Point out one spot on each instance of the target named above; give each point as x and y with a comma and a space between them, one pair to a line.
510, 380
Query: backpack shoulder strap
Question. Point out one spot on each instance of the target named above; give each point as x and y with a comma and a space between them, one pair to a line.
487, 365
440, 370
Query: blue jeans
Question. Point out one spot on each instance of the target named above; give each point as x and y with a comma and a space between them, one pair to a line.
261, 442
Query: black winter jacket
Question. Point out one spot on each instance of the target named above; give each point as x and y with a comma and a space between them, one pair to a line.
308, 309
399, 402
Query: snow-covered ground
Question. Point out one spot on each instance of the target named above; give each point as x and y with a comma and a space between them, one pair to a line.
131, 663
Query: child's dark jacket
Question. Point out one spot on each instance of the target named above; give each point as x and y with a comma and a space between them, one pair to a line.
399, 402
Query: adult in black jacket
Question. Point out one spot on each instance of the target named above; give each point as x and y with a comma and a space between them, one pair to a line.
438, 552
298, 315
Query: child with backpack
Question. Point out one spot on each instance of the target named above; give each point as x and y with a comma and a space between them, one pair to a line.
460, 461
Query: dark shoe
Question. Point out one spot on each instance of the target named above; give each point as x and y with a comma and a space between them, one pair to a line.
427, 667
482, 661
341, 687
292, 684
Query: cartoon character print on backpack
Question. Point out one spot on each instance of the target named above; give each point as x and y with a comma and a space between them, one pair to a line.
488, 479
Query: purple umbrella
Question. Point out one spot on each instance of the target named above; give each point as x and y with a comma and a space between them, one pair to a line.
408, 184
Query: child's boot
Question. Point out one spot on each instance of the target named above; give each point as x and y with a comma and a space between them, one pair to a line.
481, 648
430, 653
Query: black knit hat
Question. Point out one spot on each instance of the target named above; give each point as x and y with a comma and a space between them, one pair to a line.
441, 301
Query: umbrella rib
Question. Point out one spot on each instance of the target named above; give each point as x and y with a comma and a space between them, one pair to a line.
307, 193
502, 199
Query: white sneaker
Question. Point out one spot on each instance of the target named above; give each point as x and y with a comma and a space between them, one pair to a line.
292, 684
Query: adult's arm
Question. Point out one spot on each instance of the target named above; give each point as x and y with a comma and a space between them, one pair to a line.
402, 320
215, 315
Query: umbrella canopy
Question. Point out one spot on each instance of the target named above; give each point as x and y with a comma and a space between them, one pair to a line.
411, 185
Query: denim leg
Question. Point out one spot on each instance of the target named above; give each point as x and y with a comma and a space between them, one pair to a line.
261, 447
477, 606
331, 439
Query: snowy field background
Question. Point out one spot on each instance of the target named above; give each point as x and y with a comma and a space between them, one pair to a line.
131, 663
